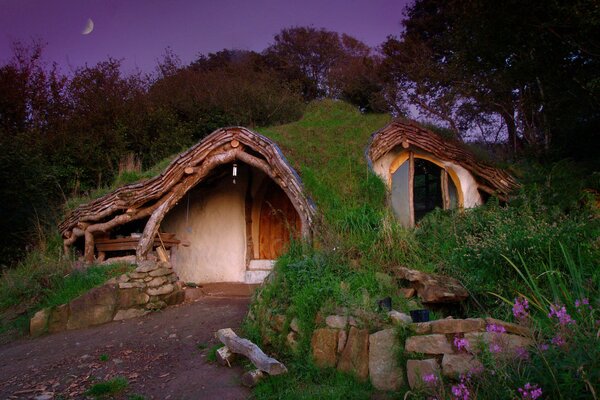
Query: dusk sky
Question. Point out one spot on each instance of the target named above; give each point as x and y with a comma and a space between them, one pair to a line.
138, 31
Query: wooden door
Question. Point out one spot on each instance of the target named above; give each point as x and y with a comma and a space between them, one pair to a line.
278, 220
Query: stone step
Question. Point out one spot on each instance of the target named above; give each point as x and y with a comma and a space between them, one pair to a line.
261, 265
254, 277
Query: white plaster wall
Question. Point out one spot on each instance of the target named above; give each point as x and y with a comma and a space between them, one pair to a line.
216, 229
471, 196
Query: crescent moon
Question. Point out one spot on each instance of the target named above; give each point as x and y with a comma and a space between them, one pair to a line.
89, 27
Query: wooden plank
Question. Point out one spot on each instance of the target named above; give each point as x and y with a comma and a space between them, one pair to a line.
245, 347
411, 194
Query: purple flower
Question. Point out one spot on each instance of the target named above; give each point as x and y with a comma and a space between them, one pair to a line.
495, 328
461, 344
561, 314
584, 302
543, 347
460, 392
429, 379
530, 392
521, 308
522, 353
558, 341
495, 348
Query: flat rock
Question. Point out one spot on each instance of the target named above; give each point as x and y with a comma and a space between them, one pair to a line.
417, 369
510, 327
421, 328
399, 318
177, 296
147, 266
453, 365
129, 298
58, 318
428, 344
130, 313
336, 321
160, 272
433, 288
355, 357
93, 308
407, 293
159, 291
458, 325
324, 347
129, 285
508, 344
158, 281
342, 339
137, 275
38, 324
384, 371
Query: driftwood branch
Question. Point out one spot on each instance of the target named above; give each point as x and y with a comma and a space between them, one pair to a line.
245, 347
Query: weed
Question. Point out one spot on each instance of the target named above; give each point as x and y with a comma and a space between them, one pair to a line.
108, 388
103, 357
211, 356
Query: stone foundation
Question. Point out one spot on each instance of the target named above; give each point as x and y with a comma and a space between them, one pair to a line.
151, 286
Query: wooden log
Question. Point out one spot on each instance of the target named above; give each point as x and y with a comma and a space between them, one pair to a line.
245, 347
252, 378
225, 356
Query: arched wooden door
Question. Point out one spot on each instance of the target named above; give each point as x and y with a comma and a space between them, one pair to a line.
278, 220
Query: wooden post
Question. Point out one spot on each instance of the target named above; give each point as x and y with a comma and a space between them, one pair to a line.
88, 253
251, 378
445, 193
411, 189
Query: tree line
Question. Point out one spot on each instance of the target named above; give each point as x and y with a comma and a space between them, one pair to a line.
525, 75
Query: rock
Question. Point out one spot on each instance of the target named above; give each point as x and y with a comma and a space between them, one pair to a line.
510, 327
458, 325
129, 313
158, 281
324, 347
342, 338
407, 293
137, 275
384, 371
132, 297
421, 328
428, 344
59, 318
146, 266
416, 369
123, 278
166, 289
156, 305
352, 321
292, 340
399, 318
172, 278
44, 396
453, 365
161, 272
251, 378
38, 324
278, 322
336, 321
93, 308
225, 356
294, 325
502, 343
177, 296
434, 289
130, 285
355, 357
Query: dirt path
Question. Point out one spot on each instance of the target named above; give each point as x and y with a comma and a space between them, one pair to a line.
162, 355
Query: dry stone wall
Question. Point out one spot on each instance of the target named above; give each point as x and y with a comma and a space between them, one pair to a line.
151, 286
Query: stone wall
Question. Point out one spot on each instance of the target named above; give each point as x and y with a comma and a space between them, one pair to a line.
151, 286
447, 347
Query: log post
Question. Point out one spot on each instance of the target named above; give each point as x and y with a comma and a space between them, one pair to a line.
252, 378
88, 253
225, 356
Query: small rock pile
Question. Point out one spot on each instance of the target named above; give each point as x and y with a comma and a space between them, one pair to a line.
151, 286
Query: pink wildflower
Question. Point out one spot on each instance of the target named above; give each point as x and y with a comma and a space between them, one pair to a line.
558, 341
495, 348
543, 347
522, 353
584, 302
495, 328
521, 308
561, 314
461, 344
430, 379
460, 392
530, 392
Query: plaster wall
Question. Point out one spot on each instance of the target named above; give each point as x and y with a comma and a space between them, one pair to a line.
468, 185
216, 228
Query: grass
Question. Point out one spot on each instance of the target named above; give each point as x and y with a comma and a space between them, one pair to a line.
108, 388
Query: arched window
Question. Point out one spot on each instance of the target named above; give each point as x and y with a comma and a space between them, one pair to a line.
420, 185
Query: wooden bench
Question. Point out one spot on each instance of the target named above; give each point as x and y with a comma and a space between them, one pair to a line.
104, 245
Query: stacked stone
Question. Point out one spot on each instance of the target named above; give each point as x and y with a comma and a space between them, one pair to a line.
436, 340
152, 286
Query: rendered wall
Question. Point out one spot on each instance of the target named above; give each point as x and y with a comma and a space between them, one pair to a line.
471, 197
216, 228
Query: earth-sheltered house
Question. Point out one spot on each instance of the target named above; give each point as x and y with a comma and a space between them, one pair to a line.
223, 211
424, 171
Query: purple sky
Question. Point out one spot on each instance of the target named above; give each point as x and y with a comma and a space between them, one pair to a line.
138, 31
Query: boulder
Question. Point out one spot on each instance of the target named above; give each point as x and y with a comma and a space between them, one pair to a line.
59, 318
407, 293
38, 325
453, 365
156, 305
132, 297
158, 281
434, 289
428, 344
421, 328
458, 325
146, 266
123, 278
399, 318
384, 371
159, 291
177, 296
342, 338
417, 369
160, 272
130, 313
503, 343
93, 308
355, 357
336, 321
130, 285
324, 347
